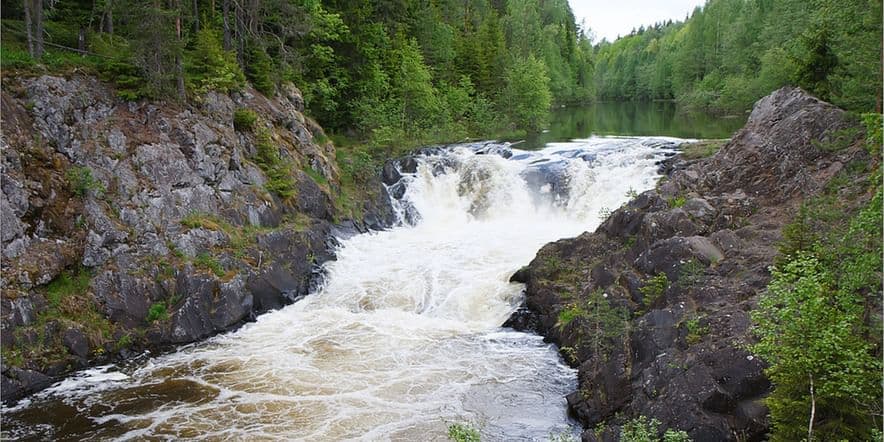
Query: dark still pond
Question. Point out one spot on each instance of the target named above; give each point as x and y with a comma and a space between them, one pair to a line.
656, 118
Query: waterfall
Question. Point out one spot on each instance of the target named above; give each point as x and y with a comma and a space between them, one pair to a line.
403, 337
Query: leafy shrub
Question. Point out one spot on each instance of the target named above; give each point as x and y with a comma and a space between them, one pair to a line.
676, 436
244, 119
696, 330
157, 312
527, 94
463, 433
640, 429
81, 181
118, 65
210, 67
260, 71
691, 273
278, 171
125, 341
678, 201
654, 287
810, 334
874, 137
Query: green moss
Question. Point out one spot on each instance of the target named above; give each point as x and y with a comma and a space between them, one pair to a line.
70, 305
357, 167
702, 149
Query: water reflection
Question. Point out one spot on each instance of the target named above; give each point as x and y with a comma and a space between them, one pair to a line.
655, 118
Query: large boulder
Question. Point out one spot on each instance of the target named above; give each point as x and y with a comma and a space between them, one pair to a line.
711, 228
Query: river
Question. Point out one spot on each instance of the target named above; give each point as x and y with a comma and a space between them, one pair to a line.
404, 337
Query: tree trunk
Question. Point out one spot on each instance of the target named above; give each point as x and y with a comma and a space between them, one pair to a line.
81, 41
109, 15
37, 13
196, 16
225, 12
29, 26
34, 25
179, 63
812, 412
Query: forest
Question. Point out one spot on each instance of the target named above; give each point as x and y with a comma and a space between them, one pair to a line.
729, 53
381, 71
416, 71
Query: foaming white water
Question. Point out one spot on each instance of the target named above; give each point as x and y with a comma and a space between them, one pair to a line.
404, 337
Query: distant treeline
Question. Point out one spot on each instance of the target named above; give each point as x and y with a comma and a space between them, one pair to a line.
729, 53
408, 71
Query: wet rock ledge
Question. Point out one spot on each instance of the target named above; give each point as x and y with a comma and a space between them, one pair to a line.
653, 307
128, 226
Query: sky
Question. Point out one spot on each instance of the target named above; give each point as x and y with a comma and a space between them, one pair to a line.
608, 19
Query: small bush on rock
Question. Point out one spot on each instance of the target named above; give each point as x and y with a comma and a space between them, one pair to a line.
463, 433
81, 181
157, 312
278, 171
654, 287
244, 119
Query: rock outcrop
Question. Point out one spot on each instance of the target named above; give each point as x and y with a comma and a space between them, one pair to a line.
138, 225
680, 268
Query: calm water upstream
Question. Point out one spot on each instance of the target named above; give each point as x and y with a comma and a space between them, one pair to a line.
404, 337
654, 118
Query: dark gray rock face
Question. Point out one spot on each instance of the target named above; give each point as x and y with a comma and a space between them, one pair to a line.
679, 357
160, 209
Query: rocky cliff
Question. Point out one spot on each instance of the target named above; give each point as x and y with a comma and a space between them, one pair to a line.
653, 307
128, 226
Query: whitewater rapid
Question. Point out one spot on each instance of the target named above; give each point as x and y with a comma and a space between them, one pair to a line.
403, 338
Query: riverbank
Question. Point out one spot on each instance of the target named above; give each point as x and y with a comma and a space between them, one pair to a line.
654, 306
132, 226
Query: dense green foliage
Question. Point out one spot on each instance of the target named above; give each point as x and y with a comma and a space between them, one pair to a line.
732, 52
819, 324
391, 72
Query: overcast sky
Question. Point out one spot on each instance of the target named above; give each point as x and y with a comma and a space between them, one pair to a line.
608, 18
